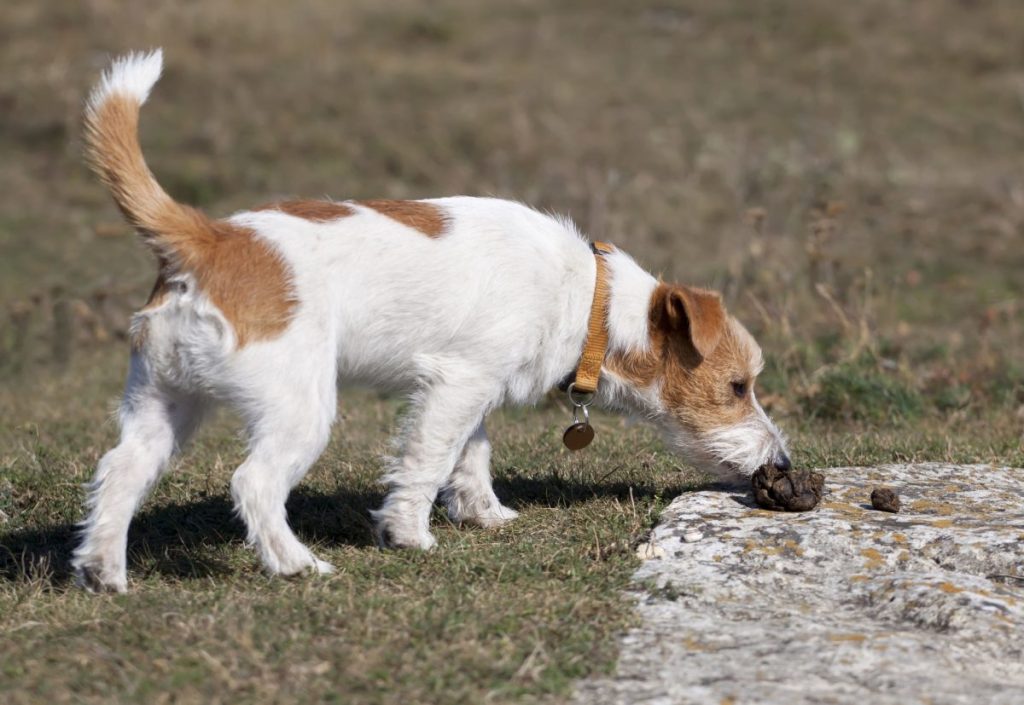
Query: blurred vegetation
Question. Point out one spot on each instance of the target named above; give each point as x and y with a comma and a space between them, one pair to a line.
848, 175
850, 186
857, 391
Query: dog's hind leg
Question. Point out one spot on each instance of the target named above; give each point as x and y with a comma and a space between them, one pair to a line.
288, 431
448, 413
155, 423
468, 494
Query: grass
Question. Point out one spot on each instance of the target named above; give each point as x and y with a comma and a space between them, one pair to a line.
500, 614
848, 177
857, 391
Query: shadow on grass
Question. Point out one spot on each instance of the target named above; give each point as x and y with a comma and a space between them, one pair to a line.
181, 540
553, 491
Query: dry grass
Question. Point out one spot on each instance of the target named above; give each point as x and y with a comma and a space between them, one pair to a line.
848, 175
498, 614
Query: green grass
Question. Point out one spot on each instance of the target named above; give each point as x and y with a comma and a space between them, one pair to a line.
848, 177
857, 390
503, 615
519, 611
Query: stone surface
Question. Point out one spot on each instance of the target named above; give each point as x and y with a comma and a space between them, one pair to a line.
646, 551
840, 605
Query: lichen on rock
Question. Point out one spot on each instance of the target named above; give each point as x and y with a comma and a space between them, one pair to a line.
842, 604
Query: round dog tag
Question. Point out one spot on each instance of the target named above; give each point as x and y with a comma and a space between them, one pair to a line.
578, 436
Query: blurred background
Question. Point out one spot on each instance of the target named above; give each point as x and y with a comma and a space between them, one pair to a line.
848, 174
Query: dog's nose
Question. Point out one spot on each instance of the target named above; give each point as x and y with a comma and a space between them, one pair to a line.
782, 463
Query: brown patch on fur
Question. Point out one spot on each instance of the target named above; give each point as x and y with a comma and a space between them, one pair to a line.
241, 273
316, 211
701, 397
696, 388
245, 278
418, 215
698, 313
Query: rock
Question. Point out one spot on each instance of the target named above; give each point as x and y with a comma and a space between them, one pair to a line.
649, 551
840, 605
885, 499
792, 491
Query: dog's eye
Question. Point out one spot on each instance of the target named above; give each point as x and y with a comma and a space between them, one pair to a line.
739, 389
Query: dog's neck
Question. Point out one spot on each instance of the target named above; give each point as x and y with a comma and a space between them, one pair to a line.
628, 330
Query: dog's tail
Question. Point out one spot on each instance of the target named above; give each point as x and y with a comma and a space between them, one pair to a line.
174, 231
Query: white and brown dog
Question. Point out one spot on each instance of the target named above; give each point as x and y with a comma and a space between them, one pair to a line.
463, 303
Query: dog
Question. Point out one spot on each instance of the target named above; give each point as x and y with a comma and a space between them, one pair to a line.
462, 303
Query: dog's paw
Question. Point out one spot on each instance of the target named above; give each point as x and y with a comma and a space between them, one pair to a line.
486, 512
322, 567
389, 536
494, 516
297, 564
95, 580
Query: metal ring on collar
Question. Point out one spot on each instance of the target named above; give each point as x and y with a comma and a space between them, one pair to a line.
580, 399
576, 414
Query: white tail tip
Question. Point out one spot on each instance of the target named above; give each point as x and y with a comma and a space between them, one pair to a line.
132, 74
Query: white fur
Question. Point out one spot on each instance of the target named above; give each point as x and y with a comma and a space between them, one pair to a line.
629, 307
742, 448
134, 74
493, 311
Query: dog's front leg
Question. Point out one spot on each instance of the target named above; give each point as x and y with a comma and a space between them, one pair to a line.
447, 415
469, 495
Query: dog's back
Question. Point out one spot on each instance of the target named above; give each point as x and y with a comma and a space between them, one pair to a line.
494, 287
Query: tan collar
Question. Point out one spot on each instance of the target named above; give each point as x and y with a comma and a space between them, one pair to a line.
588, 371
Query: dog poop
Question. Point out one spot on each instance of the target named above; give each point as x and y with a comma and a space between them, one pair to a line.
792, 491
885, 499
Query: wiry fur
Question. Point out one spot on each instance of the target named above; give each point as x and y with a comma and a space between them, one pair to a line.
737, 449
462, 303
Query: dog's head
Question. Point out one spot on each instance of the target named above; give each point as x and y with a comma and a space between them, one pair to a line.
698, 377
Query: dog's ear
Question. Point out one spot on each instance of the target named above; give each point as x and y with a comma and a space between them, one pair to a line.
697, 314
